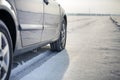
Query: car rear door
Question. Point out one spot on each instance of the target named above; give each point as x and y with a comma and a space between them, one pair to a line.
51, 20
30, 16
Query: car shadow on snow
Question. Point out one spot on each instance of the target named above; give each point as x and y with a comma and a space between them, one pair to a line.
40, 65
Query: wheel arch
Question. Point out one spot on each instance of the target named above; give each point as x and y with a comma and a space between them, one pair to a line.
7, 18
65, 17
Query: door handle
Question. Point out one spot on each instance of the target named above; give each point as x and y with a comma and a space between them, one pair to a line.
46, 2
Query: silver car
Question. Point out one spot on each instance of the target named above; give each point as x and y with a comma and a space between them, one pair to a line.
26, 25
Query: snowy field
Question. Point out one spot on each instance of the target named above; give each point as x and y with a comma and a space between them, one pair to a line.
92, 53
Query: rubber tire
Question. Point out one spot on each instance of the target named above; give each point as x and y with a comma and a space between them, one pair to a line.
56, 46
5, 31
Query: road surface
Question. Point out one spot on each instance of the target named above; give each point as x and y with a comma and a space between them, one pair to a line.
92, 53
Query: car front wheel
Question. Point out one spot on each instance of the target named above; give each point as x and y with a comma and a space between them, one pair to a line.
61, 42
5, 52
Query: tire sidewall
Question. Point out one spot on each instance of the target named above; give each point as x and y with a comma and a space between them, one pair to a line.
5, 31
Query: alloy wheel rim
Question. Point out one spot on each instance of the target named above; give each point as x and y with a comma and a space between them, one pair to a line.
63, 35
4, 56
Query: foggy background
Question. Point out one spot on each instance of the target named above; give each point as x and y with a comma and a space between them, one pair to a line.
91, 6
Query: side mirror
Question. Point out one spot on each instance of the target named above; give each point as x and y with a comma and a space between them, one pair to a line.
46, 2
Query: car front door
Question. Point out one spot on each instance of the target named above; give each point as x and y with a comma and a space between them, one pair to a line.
30, 16
51, 20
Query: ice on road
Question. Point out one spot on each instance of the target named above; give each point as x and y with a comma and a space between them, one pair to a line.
92, 53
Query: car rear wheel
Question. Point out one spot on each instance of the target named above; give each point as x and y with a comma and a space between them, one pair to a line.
5, 52
61, 42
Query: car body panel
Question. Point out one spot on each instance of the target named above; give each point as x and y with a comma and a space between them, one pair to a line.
36, 25
30, 16
51, 20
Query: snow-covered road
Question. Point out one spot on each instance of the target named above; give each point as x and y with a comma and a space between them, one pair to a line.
92, 53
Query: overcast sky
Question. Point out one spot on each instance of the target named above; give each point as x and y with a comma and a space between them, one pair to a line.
91, 6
